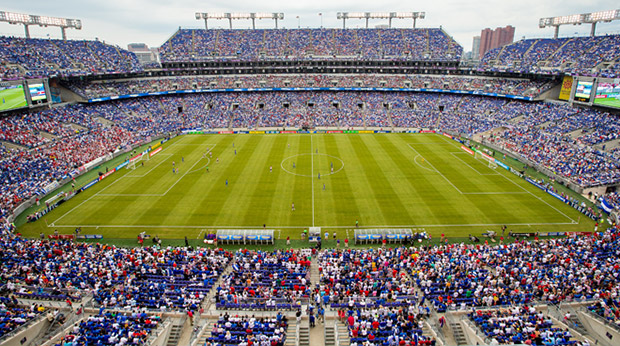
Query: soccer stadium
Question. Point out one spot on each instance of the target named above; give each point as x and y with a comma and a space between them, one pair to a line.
320, 186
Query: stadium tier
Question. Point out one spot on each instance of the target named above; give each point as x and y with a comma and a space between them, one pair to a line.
590, 56
28, 58
378, 294
188, 45
506, 86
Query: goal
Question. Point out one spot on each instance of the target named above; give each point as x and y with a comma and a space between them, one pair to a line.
134, 160
480, 156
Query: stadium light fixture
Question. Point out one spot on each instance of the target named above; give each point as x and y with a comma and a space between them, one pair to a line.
380, 15
230, 16
44, 21
578, 19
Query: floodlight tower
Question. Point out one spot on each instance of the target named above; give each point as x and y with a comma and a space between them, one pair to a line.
44, 21
230, 16
380, 15
578, 19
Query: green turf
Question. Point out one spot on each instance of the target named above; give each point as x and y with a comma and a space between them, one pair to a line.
12, 98
420, 181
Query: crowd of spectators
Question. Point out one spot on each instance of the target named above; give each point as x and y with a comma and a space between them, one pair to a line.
519, 87
426, 44
249, 330
111, 329
382, 294
576, 56
13, 315
520, 325
608, 308
266, 280
386, 326
33, 57
364, 278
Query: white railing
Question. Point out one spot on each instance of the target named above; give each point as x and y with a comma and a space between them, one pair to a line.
336, 337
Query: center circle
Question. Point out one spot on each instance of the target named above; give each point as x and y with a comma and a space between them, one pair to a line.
300, 163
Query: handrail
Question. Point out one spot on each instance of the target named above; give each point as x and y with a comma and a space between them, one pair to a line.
336, 337
600, 318
297, 334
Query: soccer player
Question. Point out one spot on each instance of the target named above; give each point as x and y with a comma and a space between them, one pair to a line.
270, 169
235, 151
293, 206
207, 169
293, 164
182, 159
319, 175
172, 163
323, 186
226, 182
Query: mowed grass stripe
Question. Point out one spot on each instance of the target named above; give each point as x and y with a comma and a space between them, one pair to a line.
390, 209
440, 199
444, 201
337, 204
214, 183
205, 209
184, 196
262, 194
411, 186
292, 188
235, 171
171, 208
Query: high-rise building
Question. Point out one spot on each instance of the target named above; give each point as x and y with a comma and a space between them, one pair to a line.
143, 52
491, 39
475, 48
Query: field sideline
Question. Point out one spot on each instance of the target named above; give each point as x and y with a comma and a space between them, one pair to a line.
420, 181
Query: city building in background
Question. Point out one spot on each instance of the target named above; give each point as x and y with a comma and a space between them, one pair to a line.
491, 39
145, 54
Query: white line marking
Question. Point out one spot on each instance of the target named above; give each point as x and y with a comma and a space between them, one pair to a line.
312, 177
112, 183
339, 227
540, 199
438, 172
306, 175
415, 159
524, 189
468, 165
189, 170
149, 171
199, 234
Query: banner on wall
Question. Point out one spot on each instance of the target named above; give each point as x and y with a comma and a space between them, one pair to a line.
567, 86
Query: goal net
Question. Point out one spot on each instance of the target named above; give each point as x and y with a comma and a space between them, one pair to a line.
136, 159
491, 161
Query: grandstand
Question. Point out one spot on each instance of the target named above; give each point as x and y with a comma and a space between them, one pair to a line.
488, 204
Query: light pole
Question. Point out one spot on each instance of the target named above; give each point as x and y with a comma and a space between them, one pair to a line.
321, 15
298, 22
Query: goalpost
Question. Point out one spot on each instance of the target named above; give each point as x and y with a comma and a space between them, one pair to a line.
479, 156
134, 160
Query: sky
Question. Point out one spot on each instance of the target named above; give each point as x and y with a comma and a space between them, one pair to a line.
121, 22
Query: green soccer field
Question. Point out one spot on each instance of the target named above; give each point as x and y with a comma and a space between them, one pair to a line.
12, 98
420, 181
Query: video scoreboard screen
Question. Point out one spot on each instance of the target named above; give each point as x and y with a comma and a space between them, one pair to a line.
12, 96
607, 94
37, 93
583, 91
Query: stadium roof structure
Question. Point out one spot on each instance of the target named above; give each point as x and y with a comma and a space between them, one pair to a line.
578, 19
44, 21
